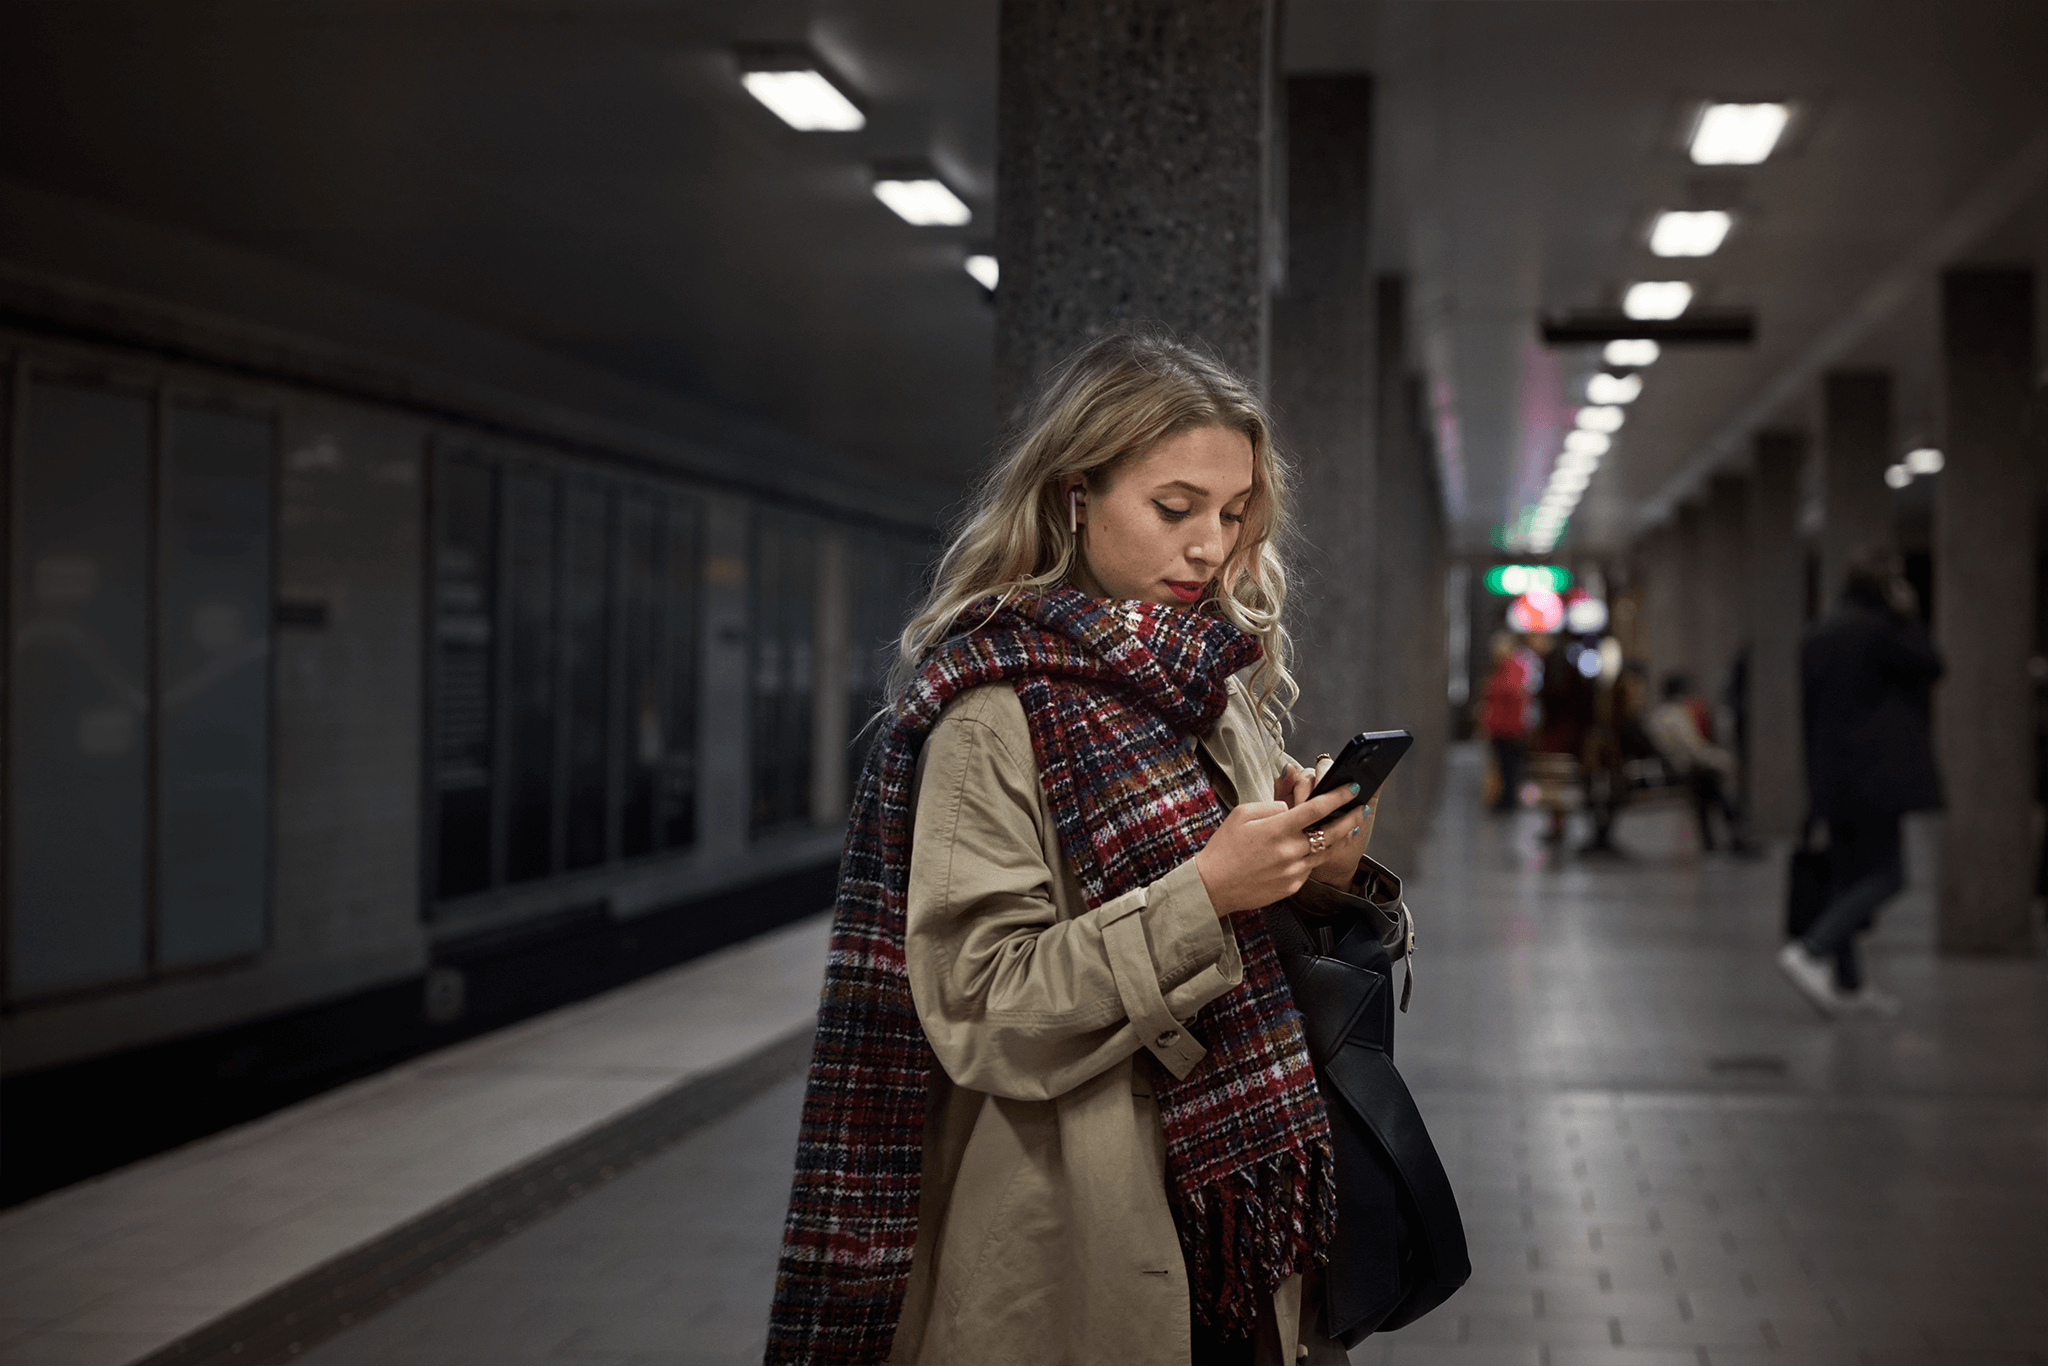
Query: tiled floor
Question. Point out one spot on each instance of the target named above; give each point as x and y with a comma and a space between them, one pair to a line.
1662, 1154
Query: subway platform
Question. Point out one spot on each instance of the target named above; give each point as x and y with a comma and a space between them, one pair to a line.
1663, 1155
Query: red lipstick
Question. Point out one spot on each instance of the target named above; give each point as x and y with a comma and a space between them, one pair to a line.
1186, 590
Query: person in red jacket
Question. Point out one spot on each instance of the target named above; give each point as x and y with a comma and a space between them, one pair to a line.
1504, 712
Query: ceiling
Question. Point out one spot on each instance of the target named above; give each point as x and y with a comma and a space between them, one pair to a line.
587, 175
1529, 142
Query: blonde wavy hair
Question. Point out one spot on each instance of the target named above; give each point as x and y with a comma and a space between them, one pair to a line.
1106, 404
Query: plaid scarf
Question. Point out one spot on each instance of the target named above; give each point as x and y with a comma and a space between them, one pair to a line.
1112, 691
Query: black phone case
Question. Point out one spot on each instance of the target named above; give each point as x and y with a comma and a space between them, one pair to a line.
1367, 760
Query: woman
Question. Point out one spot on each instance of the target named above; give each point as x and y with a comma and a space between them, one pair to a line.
1060, 1108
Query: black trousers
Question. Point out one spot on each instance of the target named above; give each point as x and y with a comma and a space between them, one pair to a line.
1710, 794
1507, 756
1866, 868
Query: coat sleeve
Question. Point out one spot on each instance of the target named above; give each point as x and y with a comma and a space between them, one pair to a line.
1907, 658
1017, 999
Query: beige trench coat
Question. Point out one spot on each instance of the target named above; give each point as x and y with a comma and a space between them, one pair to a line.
1045, 1238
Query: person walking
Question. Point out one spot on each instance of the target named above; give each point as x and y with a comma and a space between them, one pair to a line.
1061, 1108
1866, 672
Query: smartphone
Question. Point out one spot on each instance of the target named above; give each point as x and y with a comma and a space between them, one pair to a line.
1367, 761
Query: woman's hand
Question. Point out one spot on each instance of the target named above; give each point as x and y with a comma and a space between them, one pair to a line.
1261, 852
1348, 836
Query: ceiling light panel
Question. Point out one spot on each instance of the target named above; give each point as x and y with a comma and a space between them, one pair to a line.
1926, 460
1656, 299
1600, 418
1737, 134
1634, 352
805, 100
924, 203
1604, 388
985, 270
1586, 443
1679, 233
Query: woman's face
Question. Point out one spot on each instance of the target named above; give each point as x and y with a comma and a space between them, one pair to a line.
1168, 520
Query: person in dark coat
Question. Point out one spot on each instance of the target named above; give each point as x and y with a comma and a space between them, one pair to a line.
1866, 671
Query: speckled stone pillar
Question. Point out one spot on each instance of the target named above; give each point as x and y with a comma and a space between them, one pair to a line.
1856, 446
1322, 395
1984, 613
1131, 177
1776, 584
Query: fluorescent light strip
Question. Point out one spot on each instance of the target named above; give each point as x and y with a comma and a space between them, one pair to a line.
1656, 299
804, 100
924, 203
1604, 388
1635, 352
1738, 134
1690, 234
1600, 417
984, 269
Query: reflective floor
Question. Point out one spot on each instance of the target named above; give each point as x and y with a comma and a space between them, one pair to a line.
1662, 1153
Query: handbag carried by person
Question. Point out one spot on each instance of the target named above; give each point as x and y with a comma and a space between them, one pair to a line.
1400, 1246
1806, 882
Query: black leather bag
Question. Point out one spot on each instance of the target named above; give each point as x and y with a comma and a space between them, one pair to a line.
1806, 883
1400, 1249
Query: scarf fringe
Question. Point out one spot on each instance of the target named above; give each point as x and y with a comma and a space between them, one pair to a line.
1276, 1217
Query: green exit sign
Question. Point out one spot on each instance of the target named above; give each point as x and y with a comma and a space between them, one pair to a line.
1513, 580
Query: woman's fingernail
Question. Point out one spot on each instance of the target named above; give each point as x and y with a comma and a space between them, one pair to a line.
1356, 828
1354, 789
1365, 811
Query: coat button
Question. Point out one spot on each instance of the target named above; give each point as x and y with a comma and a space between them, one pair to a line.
1169, 1038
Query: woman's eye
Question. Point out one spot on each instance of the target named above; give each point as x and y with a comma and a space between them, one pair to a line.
1169, 513
1235, 518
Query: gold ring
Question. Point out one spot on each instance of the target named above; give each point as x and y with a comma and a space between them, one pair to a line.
1317, 841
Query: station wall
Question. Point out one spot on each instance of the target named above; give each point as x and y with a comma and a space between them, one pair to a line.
314, 698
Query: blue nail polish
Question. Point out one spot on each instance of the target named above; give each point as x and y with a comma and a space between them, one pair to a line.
1354, 789
1365, 811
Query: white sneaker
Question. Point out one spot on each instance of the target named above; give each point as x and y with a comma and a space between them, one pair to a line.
1814, 978
1868, 1000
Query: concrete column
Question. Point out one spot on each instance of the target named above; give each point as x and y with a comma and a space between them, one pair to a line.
1687, 650
1984, 613
1410, 535
1776, 587
1855, 448
1131, 177
1723, 583
1322, 395
1660, 609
